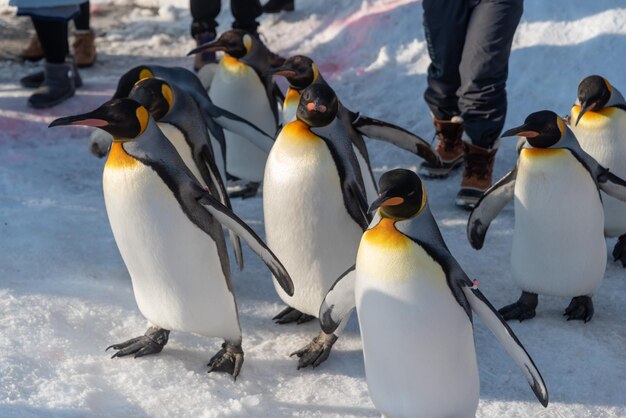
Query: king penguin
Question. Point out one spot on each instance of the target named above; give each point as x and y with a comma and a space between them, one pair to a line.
315, 209
599, 116
181, 121
168, 229
414, 304
216, 118
301, 71
243, 86
558, 242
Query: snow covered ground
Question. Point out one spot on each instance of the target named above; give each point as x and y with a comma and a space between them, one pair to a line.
65, 294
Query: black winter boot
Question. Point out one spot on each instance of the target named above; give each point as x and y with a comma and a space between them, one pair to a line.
59, 85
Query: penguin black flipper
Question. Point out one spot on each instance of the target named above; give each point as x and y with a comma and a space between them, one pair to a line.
231, 221
424, 231
507, 338
352, 186
488, 207
400, 137
339, 301
612, 185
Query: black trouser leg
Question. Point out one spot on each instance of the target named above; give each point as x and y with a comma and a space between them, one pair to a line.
445, 25
81, 22
204, 13
484, 68
53, 38
245, 13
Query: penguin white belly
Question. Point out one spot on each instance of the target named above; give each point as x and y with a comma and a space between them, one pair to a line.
371, 191
306, 223
603, 136
418, 342
237, 88
558, 244
174, 266
176, 138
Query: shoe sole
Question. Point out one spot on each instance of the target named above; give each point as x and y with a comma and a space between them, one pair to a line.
439, 172
50, 104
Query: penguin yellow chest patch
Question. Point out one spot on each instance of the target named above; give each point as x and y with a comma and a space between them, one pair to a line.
595, 119
119, 158
387, 254
235, 67
296, 137
541, 161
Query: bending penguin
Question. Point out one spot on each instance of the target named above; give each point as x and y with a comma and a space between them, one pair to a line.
558, 243
301, 72
315, 210
169, 232
415, 305
599, 116
180, 120
242, 86
215, 117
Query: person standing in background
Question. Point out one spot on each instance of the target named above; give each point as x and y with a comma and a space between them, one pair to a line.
60, 76
469, 43
204, 25
84, 46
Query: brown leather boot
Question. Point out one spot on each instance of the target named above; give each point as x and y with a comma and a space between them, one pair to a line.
84, 48
449, 147
477, 175
33, 52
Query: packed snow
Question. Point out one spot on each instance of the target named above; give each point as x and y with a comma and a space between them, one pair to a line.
65, 294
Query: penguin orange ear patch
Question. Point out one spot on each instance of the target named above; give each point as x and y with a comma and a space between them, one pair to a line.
142, 117
167, 93
247, 42
145, 73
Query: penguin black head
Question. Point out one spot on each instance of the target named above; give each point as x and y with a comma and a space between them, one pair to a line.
155, 95
593, 93
124, 119
235, 42
541, 129
402, 194
318, 105
128, 80
299, 70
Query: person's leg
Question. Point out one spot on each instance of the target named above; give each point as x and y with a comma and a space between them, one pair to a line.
245, 13
59, 75
445, 23
482, 96
204, 27
81, 22
84, 46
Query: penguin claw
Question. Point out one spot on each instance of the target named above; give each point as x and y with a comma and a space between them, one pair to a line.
316, 352
580, 308
228, 360
151, 343
619, 251
521, 310
290, 314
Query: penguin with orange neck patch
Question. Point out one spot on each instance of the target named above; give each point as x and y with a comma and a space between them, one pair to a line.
415, 303
599, 117
315, 210
242, 86
558, 242
302, 72
168, 229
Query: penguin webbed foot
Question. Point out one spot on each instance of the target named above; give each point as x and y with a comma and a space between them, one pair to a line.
289, 315
228, 360
316, 352
521, 310
580, 308
152, 342
619, 251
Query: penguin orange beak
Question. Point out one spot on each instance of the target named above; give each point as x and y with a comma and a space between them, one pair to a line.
521, 131
314, 107
81, 120
212, 46
284, 71
385, 200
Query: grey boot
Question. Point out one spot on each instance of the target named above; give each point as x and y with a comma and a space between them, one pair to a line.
59, 85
